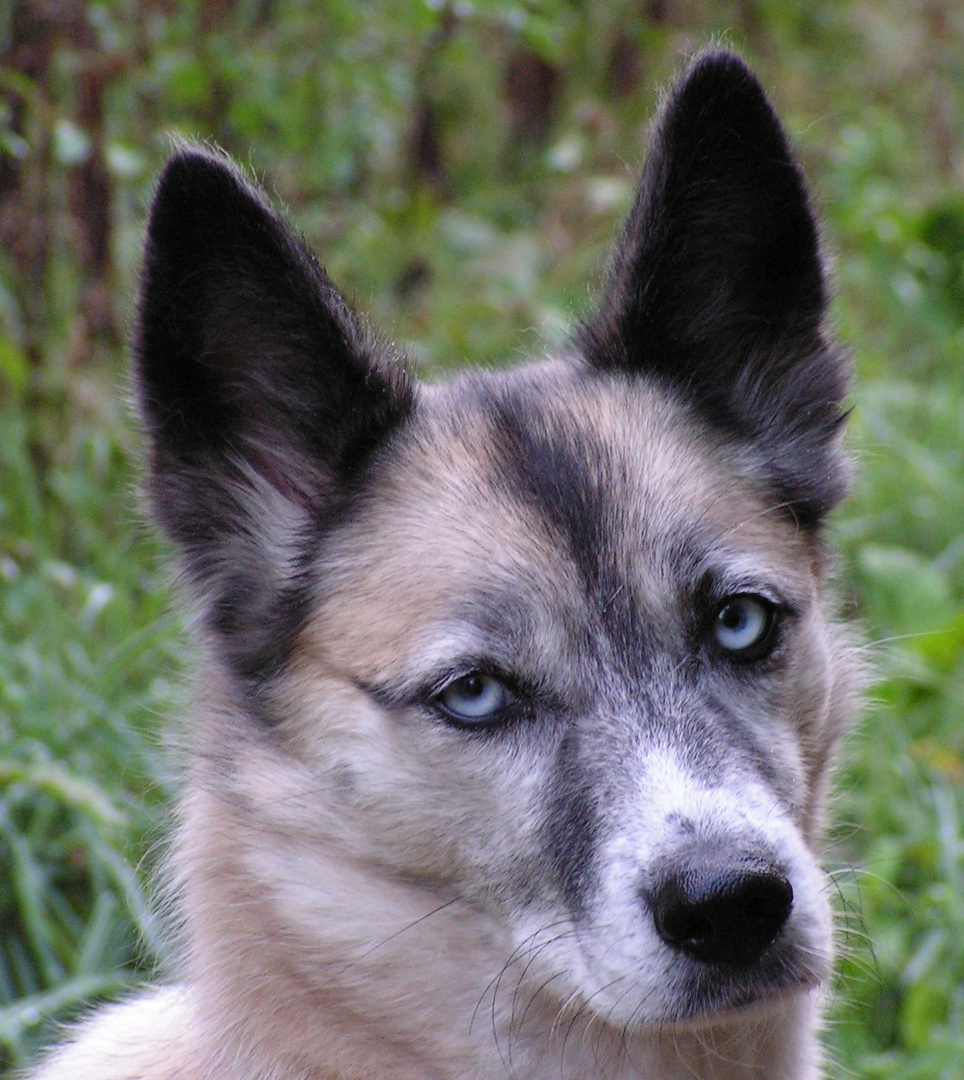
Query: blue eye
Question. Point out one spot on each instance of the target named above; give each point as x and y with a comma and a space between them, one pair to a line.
744, 626
474, 697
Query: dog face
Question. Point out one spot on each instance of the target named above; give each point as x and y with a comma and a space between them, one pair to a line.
583, 675
547, 644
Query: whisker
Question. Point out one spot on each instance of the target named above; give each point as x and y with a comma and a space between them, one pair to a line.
398, 933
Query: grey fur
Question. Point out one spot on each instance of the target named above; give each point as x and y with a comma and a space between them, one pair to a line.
520, 692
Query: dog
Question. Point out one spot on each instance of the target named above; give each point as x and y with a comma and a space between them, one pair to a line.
518, 693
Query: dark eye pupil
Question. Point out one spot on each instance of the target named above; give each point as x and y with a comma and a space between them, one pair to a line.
471, 685
733, 617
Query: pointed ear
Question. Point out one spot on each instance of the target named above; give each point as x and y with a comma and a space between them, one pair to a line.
718, 289
260, 392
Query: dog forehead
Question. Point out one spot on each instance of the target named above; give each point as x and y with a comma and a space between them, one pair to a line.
597, 465
535, 496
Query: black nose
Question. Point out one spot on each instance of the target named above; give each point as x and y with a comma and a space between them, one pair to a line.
719, 907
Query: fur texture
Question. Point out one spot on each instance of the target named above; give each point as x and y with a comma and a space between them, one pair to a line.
519, 692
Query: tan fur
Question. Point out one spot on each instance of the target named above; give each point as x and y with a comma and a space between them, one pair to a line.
327, 938
518, 695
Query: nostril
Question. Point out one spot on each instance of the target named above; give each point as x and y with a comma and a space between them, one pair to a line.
721, 913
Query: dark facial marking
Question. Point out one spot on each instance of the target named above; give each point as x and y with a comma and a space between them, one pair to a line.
572, 826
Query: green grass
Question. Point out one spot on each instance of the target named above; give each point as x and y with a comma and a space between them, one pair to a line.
92, 660
88, 663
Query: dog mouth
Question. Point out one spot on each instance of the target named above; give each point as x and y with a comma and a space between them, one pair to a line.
713, 994
647, 990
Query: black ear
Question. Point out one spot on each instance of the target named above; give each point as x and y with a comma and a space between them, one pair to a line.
260, 391
718, 289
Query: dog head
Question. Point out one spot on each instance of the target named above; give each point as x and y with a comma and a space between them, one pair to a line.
549, 641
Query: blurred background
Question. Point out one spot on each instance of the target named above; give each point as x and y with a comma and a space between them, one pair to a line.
460, 168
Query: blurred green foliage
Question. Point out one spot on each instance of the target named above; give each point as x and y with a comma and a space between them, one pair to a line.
460, 166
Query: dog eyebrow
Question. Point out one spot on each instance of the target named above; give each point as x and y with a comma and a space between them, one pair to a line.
395, 696
489, 631
728, 573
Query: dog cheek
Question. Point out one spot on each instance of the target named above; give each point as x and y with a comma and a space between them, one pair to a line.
424, 804
820, 698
